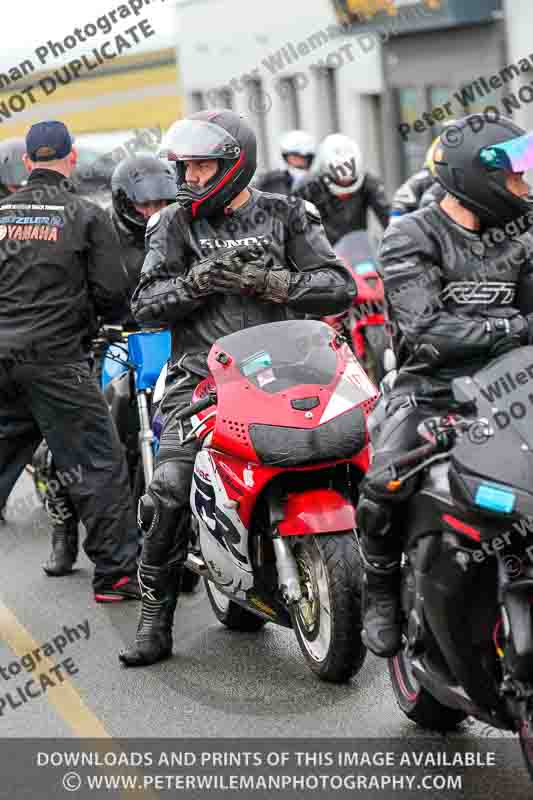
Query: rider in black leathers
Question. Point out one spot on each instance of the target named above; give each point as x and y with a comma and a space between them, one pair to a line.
457, 298
342, 190
140, 187
202, 301
297, 151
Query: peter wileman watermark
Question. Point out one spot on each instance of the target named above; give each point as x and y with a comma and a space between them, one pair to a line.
292, 52
470, 94
514, 565
44, 679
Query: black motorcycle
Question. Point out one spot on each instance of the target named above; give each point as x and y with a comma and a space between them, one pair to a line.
467, 577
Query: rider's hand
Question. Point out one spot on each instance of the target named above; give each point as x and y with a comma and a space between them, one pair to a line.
508, 333
199, 278
252, 278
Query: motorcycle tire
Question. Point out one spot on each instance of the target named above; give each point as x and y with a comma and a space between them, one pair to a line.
331, 574
190, 580
376, 343
525, 734
231, 614
416, 702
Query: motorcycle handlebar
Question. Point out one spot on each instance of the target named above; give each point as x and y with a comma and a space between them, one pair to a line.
194, 408
416, 455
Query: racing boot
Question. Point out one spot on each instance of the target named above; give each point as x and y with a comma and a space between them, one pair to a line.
160, 588
382, 632
64, 549
381, 553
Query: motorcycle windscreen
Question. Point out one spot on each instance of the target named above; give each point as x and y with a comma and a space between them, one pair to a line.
504, 396
356, 249
280, 355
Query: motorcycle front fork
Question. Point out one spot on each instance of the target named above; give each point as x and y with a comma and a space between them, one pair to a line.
146, 438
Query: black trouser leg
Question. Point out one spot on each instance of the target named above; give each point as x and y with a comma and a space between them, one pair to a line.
67, 407
19, 436
379, 519
164, 512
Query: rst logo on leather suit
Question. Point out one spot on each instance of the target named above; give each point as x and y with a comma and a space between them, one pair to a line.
486, 292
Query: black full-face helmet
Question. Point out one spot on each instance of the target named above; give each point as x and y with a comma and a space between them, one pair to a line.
220, 135
141, 179
12, 169
472, 160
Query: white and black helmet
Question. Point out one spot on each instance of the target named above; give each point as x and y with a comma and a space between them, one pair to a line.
297, 143
339, 162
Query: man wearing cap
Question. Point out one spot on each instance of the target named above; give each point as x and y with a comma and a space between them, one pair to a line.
60, 268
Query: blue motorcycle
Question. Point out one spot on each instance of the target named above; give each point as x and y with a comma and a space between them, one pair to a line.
133, 381
132, 365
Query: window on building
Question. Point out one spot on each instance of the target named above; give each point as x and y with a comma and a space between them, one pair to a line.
413, 146
290, 103
328, 102
197, 101
259, 103
225, 97
438, 96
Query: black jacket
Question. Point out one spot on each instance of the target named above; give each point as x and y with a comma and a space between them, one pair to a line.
445, 287
320, 284
60, 267
407, 198
342, 215
132, 249
277, 181
434, 194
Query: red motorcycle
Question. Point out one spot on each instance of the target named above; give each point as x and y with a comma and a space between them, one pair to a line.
364, 323
282, 421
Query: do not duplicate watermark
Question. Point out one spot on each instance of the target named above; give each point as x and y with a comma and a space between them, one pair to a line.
48, 677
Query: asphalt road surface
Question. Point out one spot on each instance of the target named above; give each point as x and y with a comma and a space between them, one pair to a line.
218, 683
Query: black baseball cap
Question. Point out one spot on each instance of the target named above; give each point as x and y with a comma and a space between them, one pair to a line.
48, 141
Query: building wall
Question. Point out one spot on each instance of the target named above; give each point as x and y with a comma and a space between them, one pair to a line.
135, 92
518, 21
426, 70
244, 39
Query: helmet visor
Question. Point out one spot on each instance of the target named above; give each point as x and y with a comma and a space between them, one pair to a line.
154, 187
194, 139
515, 155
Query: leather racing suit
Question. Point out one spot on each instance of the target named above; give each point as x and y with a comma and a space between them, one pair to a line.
346, 213
455, 300
319, 284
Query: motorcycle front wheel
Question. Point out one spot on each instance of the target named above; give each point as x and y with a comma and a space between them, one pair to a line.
328, 623
416, 702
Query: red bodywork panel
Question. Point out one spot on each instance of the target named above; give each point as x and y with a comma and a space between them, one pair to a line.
240, 403
317, 511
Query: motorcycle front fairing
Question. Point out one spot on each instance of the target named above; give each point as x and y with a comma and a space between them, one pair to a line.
290, 397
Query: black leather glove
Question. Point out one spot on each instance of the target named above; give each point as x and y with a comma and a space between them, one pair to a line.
508, 333
253, 278
199, 278
204, 278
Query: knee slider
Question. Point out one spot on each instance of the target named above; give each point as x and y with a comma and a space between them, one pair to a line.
146, 514
373, 518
